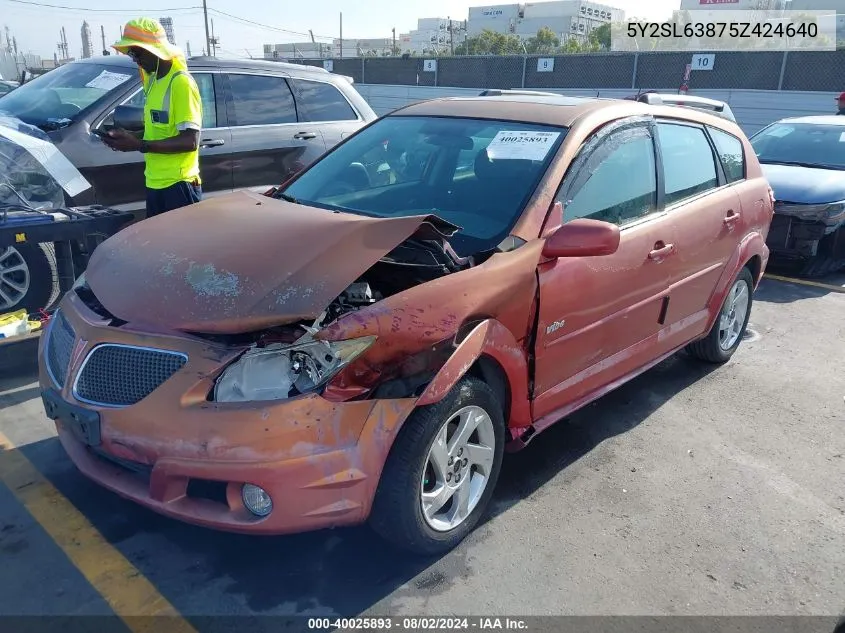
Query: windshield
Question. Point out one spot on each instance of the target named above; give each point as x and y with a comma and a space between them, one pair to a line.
59, 96
806, 144
475, 174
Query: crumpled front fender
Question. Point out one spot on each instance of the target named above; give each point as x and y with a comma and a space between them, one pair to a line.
490, 339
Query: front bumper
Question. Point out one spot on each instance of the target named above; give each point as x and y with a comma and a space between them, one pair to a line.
182, 456
794, 237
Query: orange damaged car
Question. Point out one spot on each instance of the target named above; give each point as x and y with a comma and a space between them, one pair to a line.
365, 342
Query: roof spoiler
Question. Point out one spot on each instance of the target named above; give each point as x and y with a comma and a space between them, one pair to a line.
655, 99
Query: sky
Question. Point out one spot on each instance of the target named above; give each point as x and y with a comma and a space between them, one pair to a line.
243, 27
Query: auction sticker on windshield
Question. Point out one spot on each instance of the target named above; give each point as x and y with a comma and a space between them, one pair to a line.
107, 80
522, 145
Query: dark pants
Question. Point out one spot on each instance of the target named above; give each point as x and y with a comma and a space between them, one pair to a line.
179, 195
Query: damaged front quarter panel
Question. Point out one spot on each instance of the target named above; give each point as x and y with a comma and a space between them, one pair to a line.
417, 330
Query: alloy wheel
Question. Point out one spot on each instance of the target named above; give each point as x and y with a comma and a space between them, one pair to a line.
458, 468
14, 278
733, 315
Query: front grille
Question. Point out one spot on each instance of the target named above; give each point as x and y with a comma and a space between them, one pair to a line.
122, 375
59, 348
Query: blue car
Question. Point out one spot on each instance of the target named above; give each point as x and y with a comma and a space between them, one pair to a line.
803, 159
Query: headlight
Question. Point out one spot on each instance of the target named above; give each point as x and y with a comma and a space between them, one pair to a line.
279, 372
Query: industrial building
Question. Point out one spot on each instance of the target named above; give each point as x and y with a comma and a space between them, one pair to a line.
771, 9
566, 18
433, 35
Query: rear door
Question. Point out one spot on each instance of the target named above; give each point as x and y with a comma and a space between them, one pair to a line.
269, 144
706, 211
599, 317
322, 103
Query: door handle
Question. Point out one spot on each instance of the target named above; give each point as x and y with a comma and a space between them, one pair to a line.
660, 251
731, 218
304, 136
212, 142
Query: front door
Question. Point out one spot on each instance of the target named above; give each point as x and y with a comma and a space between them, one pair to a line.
269, 142
598, 316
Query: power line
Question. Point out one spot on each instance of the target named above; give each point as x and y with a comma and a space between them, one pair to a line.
267, 26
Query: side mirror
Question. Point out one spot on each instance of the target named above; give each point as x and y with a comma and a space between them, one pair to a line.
582, 238
129, 118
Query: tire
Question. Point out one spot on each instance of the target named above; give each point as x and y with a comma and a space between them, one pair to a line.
28, 277
397, 514
824, 263
711, 348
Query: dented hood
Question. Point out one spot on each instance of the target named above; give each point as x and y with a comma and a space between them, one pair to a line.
241, 262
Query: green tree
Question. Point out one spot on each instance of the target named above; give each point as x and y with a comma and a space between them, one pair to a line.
572, 45
545, 42
599, 38
490, 43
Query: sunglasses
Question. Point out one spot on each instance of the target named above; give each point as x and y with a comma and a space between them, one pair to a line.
134, 53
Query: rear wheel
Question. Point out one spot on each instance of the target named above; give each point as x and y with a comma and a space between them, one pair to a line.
727, 332
441, 471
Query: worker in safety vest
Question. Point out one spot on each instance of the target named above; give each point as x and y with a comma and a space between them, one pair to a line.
172, 118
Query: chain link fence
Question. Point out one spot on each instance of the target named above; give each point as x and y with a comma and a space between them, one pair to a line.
763, 70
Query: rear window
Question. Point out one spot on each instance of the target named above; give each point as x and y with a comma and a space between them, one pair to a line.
260, 100
62, 95
320, 101
731, 154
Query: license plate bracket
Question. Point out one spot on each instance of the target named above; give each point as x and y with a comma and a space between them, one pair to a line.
84, 424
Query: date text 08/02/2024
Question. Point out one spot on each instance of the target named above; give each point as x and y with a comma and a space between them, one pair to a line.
417, 624
766, 30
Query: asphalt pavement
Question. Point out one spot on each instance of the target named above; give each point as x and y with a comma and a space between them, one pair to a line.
691, 490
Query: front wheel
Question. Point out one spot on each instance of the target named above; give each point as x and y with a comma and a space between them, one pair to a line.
441, 471
729, 329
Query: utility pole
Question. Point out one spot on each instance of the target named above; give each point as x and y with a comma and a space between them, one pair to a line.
451, 37
215, 42
341, 34
393, 50
207, 38
103, 39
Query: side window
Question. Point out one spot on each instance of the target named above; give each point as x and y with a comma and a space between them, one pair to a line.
205, 83
688, 162
320, 101
621, 181
137, 100
730, 151
260, 100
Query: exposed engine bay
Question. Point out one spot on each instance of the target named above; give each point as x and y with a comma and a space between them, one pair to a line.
289, 361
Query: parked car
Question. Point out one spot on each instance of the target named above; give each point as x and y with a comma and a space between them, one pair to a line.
804, 160
349, 350
262, 122
714, 106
